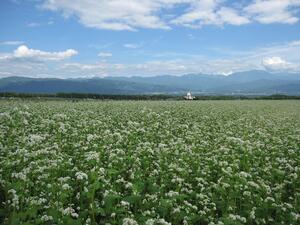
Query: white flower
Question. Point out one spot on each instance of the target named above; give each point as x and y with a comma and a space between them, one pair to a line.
66, 187
150, 222
88, 221
176, 210
89, 137
124, 203
163, 222
15, 199
92, 156
46, 218
129, 221
34, 138
69, 211
252, 213
81, 176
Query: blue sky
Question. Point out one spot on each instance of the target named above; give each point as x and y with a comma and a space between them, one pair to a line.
84, 38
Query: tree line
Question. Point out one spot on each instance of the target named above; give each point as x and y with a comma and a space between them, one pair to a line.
77, 96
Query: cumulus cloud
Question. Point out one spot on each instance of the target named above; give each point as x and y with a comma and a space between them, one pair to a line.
208, 12
113, 15
230, 16
136, 14
273, 11
23, 52
105, 54
276, 63
30, 62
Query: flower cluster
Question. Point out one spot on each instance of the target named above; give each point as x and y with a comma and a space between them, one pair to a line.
149, 162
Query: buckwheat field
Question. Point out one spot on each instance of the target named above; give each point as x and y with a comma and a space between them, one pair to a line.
150, 162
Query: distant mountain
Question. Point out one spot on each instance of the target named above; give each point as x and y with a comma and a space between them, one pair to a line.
94, 85
262, 87
218, 83
249, 82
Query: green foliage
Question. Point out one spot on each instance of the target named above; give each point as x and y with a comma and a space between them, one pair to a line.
149, 162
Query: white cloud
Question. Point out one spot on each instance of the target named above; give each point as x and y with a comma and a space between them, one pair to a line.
155, 14
105, 54
84, 67
113, 15
274, 57
289, 50
279, 57
287, 53
209, 12
273, 11
226, 73
199, 13
274, 61
5, 74
230, 16
112, 69
295, 43
23, 52
277, 63
11, 43
132, 45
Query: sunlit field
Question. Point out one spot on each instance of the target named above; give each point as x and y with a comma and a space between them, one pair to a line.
150, 162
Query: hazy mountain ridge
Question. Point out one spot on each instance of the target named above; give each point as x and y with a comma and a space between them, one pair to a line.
249, 82
103, 86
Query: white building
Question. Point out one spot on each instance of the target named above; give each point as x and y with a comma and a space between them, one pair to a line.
189, 96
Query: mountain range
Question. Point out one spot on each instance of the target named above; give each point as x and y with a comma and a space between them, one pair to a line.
255, 82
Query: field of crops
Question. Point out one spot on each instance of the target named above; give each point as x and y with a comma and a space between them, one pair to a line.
162, 162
